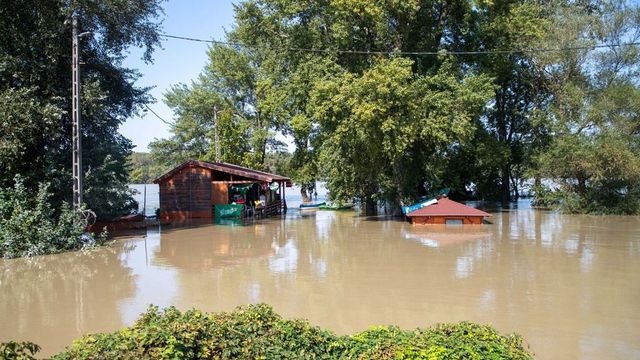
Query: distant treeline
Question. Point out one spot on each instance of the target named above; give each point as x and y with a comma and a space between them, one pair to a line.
388, 101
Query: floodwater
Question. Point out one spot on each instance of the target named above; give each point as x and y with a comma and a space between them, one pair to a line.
569, 284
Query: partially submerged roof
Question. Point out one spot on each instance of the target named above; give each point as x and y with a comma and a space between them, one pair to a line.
227, 168
446, 207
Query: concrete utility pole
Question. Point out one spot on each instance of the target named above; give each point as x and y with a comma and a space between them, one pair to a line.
216, 139
75, 112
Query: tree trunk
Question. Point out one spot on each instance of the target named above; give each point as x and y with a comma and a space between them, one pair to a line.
514, 185
304, 194
370, 207
505, 188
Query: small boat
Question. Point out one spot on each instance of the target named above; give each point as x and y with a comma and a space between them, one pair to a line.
336, 206
420, 205
426, 202
311, 206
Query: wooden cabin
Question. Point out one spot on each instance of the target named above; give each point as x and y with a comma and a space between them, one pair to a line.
448, 212
194, 188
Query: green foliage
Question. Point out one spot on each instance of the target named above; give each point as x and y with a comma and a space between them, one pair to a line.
391, 128
35, 94
194, 130
30, 226
593, 157
18, 350
278, 163
257, 332
143, 170
374, 124
247, 101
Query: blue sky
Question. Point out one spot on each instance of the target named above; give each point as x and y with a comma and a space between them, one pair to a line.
178, 62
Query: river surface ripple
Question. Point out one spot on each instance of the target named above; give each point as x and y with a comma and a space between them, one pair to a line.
569, 284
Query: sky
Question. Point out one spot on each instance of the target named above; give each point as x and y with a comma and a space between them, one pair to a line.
178, 61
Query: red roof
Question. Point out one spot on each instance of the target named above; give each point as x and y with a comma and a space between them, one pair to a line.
227, 168
446, 207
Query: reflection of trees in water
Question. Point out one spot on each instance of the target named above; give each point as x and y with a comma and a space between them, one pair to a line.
571, 272
527, 272
211, 247
55, 298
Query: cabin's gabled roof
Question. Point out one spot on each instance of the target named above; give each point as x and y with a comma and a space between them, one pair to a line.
226, 168
446, 207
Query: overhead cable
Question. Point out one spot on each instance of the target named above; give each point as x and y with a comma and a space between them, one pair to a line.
441, 52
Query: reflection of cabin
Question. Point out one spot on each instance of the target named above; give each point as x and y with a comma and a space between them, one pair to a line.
192, 189
447, 211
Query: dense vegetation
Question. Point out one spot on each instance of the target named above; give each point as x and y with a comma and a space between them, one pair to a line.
35, 94
257, 332
386, 101
30, 226
386, 124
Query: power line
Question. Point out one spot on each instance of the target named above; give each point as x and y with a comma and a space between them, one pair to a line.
158, 116
443, 52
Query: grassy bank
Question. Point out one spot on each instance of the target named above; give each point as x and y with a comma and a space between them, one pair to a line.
257, 332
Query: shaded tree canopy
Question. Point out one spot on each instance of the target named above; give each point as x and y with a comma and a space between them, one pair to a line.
35, 94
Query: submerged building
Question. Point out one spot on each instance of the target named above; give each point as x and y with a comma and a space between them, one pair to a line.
193, 189
445, 211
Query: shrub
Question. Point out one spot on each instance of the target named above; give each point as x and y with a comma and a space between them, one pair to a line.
18, 350
30, 226
257, 332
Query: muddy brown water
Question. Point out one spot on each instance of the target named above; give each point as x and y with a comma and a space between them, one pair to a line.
569, 284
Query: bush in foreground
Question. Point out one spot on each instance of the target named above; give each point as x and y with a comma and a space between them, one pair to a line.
30, 225
257, 332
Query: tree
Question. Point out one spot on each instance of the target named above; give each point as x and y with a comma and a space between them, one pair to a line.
143, 170
593, 159
508, 25
35, 87
238, 84
379, 128
195, 126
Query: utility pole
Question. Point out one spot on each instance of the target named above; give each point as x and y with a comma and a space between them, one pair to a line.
75, 110
76, 137
216, 139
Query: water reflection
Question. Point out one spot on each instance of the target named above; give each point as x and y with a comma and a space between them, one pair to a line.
443, 235
569, 284
285, 258
52, 299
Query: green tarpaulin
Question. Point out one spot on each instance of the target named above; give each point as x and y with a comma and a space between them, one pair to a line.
228, 211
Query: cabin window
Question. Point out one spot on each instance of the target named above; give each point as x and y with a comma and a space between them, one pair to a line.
453, 221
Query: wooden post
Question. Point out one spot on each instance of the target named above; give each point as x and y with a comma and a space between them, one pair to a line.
284, 201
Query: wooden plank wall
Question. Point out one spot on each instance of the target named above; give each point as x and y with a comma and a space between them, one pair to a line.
424, 220
187, 194
220, 193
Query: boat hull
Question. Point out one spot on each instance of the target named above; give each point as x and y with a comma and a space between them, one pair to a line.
311, 206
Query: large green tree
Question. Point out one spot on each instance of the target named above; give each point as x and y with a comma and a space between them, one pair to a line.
492, 164
593, 159
35, 92
385, 129
283, 29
